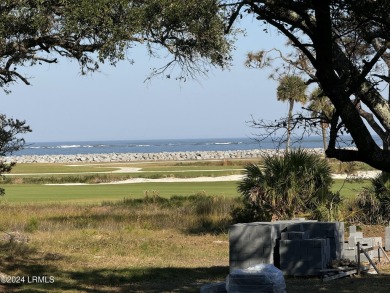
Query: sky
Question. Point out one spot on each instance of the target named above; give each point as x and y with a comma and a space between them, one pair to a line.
117, 103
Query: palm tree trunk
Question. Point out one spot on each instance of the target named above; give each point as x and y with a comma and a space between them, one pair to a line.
289, 118
323, 129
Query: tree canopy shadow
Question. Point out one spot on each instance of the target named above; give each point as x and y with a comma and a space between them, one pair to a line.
161, 279
149, 280
354, 284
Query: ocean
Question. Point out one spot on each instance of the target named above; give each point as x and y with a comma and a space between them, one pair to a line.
154, 146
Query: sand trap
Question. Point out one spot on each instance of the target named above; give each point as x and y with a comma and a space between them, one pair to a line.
164, 180
359, 174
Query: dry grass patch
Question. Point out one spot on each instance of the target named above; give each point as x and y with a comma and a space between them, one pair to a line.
150, 245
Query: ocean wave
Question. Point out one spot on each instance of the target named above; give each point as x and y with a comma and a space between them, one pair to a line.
144, 146
69, 146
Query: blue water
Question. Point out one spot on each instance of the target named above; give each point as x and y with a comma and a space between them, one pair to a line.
153, 146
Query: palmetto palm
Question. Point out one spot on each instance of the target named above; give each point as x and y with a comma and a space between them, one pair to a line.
374, 201
286, 186
292, 88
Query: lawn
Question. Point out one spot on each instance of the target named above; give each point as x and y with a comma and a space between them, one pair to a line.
349, 189
32, 193
36, 193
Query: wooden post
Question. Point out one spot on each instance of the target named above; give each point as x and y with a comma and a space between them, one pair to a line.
370, 261
358, 257
384, 253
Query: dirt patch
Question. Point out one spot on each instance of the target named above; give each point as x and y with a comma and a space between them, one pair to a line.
372, 230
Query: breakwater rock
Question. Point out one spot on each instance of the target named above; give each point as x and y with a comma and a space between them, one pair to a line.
133, 157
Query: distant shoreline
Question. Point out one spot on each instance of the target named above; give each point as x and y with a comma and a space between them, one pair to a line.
154, 146
162, 156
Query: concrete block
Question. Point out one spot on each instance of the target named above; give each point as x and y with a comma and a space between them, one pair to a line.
295, 227
341, 231
252, 232
352, 229
352, 241
366, 242
284, 236
316, 243
294, 245
242, 256
267, 250
378, 241
356, 234
295, 235
264, 242
387, 238
247, 248
303, 257
244, 264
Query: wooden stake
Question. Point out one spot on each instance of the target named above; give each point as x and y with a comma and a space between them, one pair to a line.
358, 257
370, 260
384, 253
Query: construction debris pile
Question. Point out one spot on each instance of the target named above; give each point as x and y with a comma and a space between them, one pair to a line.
299, 248
350, 246
260, 251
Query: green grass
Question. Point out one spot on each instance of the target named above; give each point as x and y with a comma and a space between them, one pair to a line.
349, 189
25, 193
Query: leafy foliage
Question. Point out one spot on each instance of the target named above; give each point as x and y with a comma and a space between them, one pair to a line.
374, 202
9, 141
292, 87
95, 31
343, 47
287, 186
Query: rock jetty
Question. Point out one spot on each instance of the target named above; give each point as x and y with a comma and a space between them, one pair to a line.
133, 157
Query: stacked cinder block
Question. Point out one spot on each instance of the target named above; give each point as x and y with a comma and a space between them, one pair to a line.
333, 231
350, 247
387, 238
251, 244
304, 257
276, 243
368, 243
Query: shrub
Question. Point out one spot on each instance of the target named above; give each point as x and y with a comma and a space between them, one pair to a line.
287, 186
374, 201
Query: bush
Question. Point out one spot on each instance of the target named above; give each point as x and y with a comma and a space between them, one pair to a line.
374, 201
288, 186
